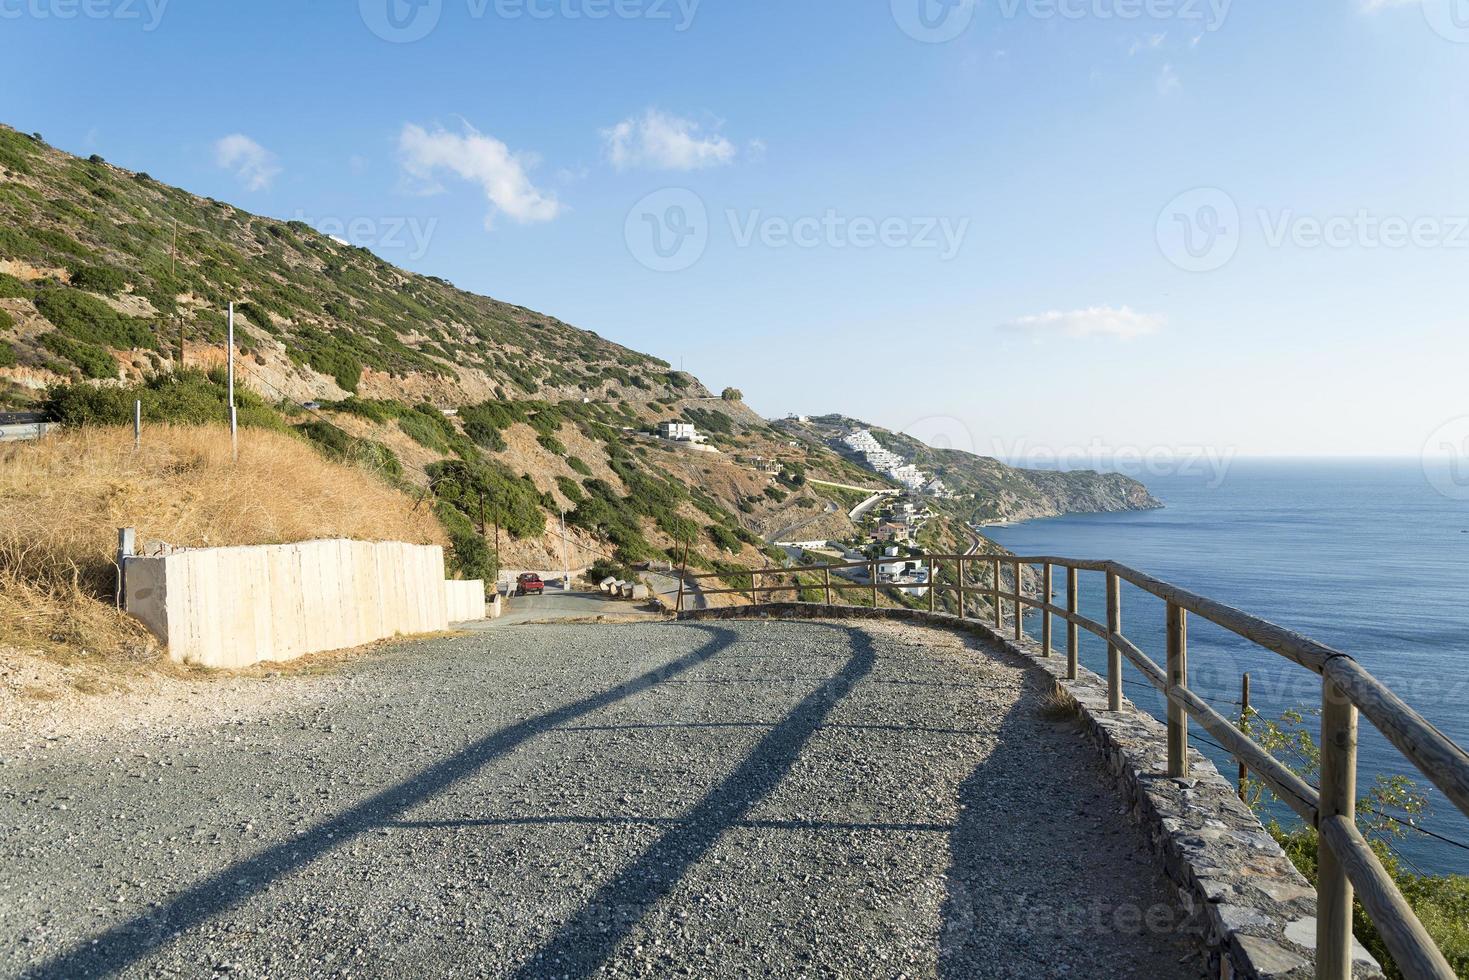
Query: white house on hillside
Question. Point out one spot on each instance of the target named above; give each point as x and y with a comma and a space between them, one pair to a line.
680, 432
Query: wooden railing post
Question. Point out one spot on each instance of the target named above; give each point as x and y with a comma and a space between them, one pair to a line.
754, 587
1073, 632
1019, 609
933, 586
1114, 652
1338, 798
1177, 678
1244, 726
964, 592
826, 580
995, 595
1046, 613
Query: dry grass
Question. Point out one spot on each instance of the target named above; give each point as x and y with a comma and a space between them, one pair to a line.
63, 499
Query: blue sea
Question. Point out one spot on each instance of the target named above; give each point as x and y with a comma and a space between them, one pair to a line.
1368, 556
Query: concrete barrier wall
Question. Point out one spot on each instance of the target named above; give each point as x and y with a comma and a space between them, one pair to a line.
466, 601
232, 607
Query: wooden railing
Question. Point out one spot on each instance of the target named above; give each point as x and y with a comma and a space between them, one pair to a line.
1346, 861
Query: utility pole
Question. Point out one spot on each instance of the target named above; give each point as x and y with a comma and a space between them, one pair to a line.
174, 275
234, 418
565, 562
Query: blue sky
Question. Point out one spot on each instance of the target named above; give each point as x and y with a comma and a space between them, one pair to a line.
1137, 224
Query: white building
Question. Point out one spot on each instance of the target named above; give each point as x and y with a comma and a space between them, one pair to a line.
680, 432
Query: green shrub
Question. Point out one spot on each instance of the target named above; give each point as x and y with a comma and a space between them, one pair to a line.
99, 279
578, 466
427, 426
185, 397
7, 322
13, 288
551, 445
7, 354
337, 444
570, 489
776, 494
724, 538
374, 410
88, 319
470, 556
513, 500
93, 361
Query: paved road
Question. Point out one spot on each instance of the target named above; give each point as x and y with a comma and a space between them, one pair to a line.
559, 605
651, 800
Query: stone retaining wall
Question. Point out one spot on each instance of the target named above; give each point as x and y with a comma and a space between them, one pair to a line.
1253, 911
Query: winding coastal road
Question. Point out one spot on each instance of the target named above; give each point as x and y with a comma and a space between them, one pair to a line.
647, 800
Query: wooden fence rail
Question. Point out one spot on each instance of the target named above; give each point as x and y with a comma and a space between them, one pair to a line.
1346, 862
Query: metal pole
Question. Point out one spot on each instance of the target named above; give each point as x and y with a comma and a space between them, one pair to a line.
230, 357
137, 425
932, 586
565, 561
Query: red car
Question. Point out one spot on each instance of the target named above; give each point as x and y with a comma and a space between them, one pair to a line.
529, 584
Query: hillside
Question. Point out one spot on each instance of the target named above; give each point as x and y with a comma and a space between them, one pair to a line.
986, 489
113, 288
106, 273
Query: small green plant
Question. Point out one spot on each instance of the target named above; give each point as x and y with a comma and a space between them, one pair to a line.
85, 318
99, 279
7, 354
13, 288
1386, 813
578, 466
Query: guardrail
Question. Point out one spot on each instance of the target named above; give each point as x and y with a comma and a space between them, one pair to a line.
1345, 861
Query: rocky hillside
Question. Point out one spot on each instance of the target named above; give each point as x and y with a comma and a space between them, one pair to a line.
110, 282
989, 490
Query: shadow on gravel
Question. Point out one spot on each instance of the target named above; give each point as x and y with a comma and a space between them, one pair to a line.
126, 943
585, 942
1041, 880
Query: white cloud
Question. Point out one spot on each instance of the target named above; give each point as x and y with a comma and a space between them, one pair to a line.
253, 164
1097, 321
480, 159
662, 142
1168, 81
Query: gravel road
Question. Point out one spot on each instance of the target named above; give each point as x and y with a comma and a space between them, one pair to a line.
649, 800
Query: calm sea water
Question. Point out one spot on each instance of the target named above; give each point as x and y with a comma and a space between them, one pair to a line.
1366, 556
